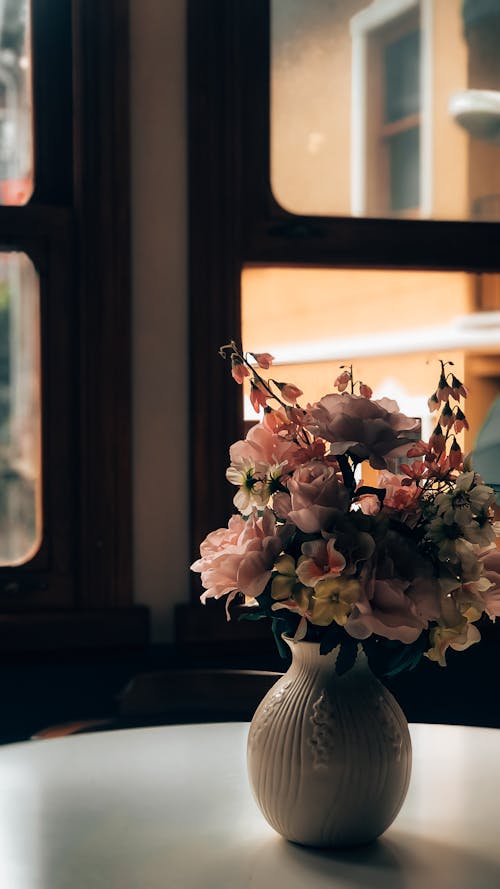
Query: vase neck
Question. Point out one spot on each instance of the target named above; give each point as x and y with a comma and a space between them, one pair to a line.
306, 656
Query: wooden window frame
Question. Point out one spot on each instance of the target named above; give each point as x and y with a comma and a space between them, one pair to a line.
235, 220
76, 591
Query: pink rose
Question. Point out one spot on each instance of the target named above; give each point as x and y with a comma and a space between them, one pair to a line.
425, 593
239, 557
388, 612
365, 429
369, 504
263, 448
315, 496
491, 597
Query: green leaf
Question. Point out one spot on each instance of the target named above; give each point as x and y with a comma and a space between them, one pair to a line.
346, 657
332, 637
279, 626
252, 615
388, 657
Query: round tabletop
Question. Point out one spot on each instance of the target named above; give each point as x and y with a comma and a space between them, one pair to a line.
170, 808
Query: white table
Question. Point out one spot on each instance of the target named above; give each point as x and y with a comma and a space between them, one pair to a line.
169, 808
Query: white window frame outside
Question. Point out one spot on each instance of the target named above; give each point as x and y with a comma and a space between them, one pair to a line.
377, 15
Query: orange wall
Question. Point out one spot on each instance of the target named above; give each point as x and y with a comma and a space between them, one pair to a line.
283, 306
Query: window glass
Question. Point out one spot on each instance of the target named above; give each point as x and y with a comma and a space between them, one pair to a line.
20, 460
16, 116
393, 326
386, 108
402, 76
404, 152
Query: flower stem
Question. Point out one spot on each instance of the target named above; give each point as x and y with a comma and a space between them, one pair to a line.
347, 471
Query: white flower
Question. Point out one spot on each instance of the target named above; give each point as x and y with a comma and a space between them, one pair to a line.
253, 493
465, 502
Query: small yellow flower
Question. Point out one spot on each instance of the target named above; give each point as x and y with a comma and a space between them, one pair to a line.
286, 588
334, 599
472, 613
459, 638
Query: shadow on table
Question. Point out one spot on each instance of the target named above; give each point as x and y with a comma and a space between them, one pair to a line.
398, 861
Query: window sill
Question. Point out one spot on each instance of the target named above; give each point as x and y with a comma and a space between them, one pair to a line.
63, 631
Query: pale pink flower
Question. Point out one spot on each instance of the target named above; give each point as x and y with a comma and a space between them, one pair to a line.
306, 453
315, 496
413, 471
366, 429
425, 593
389, 612
403, 497
221, 556
369, 504
491, 596
365, 390
458, 638
239, 558
320, 560
420, 449
284, 421
263, 447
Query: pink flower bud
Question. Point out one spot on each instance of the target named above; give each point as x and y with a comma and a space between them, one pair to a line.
433, 403
455, 456
238, 369
436, 440
460, 421
342, 381
289, 392
443, 391
258, 395
447, 417
263, 359
457, 388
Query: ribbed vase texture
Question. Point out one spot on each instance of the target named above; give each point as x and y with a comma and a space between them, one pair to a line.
329, 757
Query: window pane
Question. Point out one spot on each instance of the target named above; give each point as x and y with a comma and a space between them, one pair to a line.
16, 116
20, 459
404, 149
402, 76
348, 75
393, 326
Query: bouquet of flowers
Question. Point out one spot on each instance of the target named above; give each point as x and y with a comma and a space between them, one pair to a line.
404, 568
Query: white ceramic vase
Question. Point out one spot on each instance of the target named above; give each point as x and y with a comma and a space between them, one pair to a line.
329, 757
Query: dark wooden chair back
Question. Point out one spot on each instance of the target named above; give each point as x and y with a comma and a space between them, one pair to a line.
167, 697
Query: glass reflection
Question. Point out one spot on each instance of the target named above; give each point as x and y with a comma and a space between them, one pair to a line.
16, 115
20, 434
386, 109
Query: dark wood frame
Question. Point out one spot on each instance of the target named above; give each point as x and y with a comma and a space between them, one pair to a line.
77, 589
234, 220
